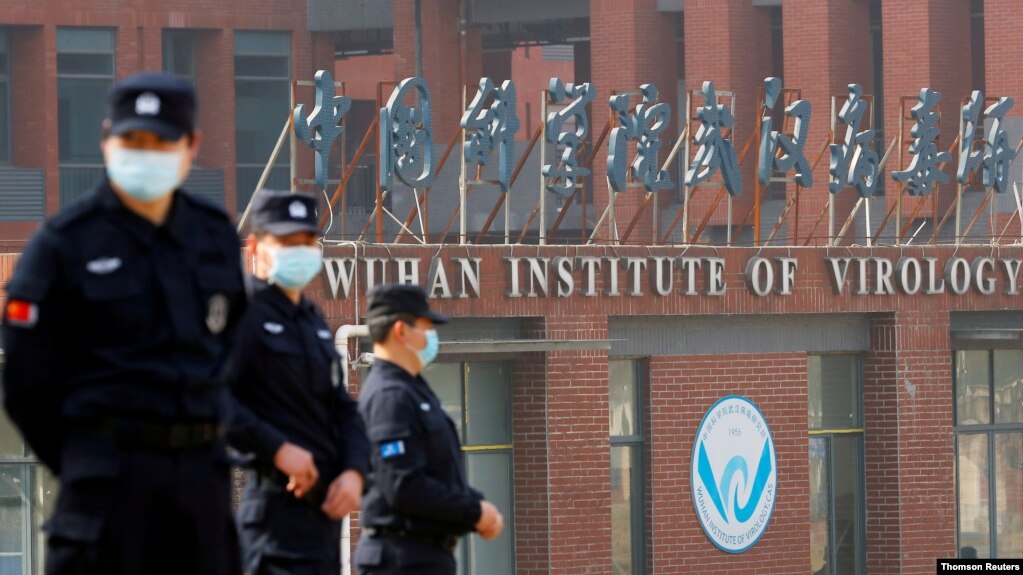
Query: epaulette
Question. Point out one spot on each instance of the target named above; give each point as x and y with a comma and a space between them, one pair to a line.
204, 204
77, 210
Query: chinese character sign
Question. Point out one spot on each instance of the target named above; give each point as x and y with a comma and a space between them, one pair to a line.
970, 159
854, 162
406, 144
998, 154
644, 126
319, 129
566, 171
715, 152
925, 168
781, 152
490, 126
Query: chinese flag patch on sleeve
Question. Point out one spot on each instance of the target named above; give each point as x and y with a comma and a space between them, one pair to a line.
22, 313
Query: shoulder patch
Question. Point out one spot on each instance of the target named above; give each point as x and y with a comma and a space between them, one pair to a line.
392, 449
74, 212
37, 268
21, 313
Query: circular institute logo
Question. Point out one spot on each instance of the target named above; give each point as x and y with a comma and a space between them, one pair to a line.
734, 474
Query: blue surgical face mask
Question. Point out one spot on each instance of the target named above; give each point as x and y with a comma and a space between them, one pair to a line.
145, 175
293, 267
428, 353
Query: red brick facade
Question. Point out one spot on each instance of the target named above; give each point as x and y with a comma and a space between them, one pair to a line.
561, 407
560, 398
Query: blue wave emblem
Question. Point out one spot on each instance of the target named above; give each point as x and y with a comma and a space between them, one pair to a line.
717, 489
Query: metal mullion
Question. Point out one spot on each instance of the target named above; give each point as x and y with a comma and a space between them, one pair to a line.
992, 428
992, 493
465, 402
991, 488
850, 431
501, 448
830, 454
638, 511
264, 78
959, 485
861, 510
626, 440
5, 80
74, 76
991, 387
27, 537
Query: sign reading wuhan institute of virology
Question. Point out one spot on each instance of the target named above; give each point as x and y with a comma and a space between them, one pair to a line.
734, 474
566, 276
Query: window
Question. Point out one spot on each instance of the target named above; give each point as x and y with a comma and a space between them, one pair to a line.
477, 397
989, 447
27, 494
85, 72
179, 48
5, 99
977, 43
837, 514
628, 500
262, 84
877, 80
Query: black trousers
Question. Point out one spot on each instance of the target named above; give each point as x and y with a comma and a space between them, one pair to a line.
282, 566
126, 511
387, 555
283, 535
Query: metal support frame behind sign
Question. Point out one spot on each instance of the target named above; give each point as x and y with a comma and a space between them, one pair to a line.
689, 189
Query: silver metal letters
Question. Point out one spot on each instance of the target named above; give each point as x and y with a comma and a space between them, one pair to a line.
643, 126
406, 143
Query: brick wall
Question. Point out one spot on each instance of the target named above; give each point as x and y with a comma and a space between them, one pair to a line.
1002, 46
578, 451
881, 451
827, 47
728, 43
139, 27
925, 442
926, 45
631, 44
441, 59
529, 415
682, 389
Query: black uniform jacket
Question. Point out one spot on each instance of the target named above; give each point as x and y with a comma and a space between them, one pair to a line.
417, 482
286, 377
119, 318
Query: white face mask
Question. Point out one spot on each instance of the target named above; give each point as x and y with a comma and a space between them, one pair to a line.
145, 175
294, 267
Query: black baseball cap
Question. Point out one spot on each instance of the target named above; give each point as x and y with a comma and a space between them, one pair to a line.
280, 213
392, 299
154, 102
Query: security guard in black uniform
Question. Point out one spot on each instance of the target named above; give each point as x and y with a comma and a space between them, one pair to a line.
418, 502
117, 325
292, 410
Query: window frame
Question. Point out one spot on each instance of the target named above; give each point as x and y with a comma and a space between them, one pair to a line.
31, 529
171, 37
638, 474
5, 88
91, 166
283, 161
829, 436
989, 430
467, 546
